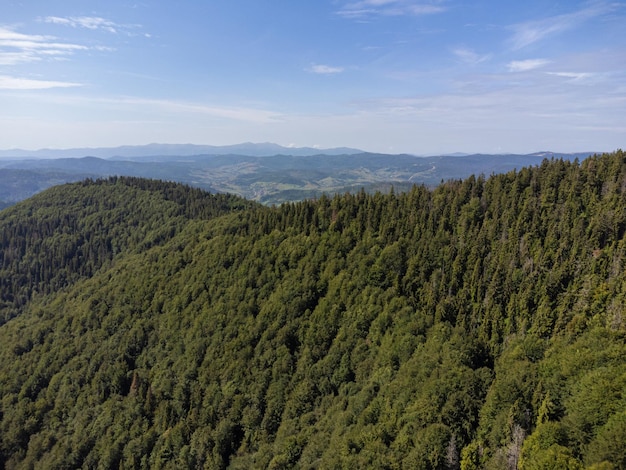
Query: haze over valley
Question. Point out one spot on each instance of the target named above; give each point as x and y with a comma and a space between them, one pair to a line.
267, 173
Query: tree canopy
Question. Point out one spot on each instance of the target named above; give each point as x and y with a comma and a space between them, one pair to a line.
480, 324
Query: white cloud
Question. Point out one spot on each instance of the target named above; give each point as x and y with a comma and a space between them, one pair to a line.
526, 65
325, 69
13, 58
88, 22
469, 56
16, 83
16, 48
236, 113
365, 8
575, 76
421, 9
530, 32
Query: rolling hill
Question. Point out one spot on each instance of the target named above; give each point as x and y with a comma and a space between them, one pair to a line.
266, 173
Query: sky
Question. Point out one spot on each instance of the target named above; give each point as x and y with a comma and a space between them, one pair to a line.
424, 77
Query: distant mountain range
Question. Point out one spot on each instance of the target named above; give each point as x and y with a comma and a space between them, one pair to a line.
177, 150
268, 173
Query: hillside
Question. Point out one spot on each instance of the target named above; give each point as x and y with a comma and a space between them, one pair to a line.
69, 232
479, 324
270, 178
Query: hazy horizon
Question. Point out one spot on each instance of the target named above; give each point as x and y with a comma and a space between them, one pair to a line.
6, 153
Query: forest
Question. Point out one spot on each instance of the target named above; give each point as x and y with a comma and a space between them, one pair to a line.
480, 324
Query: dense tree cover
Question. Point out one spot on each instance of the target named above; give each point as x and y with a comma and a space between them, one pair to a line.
18, 184
477, 325
69, 231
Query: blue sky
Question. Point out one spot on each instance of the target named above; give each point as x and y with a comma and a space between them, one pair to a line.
422, 77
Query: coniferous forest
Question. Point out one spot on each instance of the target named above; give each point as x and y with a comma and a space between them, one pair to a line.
477, 325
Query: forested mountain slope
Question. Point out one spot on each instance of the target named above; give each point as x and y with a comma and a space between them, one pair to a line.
69, 231
477, 325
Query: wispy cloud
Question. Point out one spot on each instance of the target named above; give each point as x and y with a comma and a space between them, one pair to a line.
526, 65
366, 8
525, 34
16, 83
16, 48
88, 22
94, 23
19, 48
470, 56
574, 76
505, 110
237, 113
325, 69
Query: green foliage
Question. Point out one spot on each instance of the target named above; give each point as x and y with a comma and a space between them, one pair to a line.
547, 448
70, 231
608, 443
477, 325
